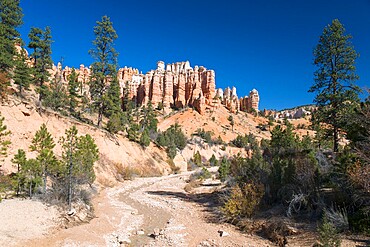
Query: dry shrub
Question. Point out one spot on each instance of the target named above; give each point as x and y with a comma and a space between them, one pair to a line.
6, 186
359, 174
249, 225
192, 184
337, 217
276, 232
175, 169
328, 234
149, 171
4, 83
105, 182
202, 174
243, 201
82, 213
124, 172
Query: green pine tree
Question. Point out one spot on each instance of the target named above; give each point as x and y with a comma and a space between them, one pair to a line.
22, 72
40, 42
149, 120
232, 122
4, 142
213, 161
224, 169
73, 88
133, 132
144, 138
113, 98
20, 160
336, 93
79, 155
32, 172
87, 155
10, 19
105, 65
43, 144
328, 234
56, 96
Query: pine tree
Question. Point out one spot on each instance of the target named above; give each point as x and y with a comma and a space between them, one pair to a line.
69, 144
56, 96
224, 169
105, 65
73, 92
231, 120
336, 93
213, 161
149, 120
20, 160
87, 155
144, 138
32, 174
10, 18
43, 144
133, 132
4, 142
40, 42
113, 98
79, 155
22, 72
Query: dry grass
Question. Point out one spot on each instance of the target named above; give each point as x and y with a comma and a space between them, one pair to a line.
125, 172
175, 169
191, 185
105, 182
149, 170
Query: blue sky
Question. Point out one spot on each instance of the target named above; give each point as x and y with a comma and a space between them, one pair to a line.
262, 44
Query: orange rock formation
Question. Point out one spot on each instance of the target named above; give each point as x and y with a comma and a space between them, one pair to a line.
174, 85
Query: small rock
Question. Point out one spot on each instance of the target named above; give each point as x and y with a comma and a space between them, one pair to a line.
292, 230
71, 212
156, 233
204, 244
140, 232
26, 113
123, 240
223, 233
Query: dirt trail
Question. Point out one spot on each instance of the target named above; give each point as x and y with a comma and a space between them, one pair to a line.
128, 214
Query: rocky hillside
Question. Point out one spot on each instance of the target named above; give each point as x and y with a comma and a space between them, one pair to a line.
23, 121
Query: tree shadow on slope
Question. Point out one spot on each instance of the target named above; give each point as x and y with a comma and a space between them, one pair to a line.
210, 202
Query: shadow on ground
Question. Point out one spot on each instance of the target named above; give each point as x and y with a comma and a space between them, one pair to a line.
209, 201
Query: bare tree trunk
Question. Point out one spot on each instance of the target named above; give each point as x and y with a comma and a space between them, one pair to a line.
30, 192
100, 117
335, 139
70, 183
44, 185
19, 181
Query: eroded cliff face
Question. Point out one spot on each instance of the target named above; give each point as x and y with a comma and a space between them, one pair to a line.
175, 85
179, 85
229, 98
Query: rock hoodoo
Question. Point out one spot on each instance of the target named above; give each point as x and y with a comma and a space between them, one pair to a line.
174, 85
179, 85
